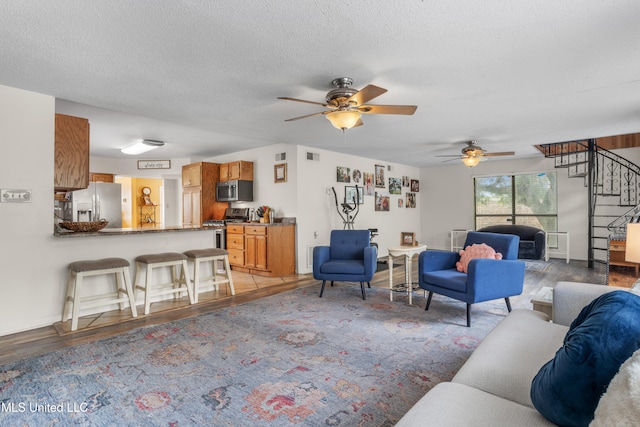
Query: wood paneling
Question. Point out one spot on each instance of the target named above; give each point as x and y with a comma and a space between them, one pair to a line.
71, 169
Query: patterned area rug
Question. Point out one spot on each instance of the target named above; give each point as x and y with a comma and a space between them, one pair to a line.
287, 359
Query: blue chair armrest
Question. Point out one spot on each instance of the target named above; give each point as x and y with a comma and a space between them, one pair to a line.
320, 256
489, 279
435, 260
370, 261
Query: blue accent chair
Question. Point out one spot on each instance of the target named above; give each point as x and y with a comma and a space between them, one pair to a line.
486, 279
348, 258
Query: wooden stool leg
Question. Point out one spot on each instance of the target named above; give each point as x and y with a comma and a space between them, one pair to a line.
120, 290
127, 284
187, 279
147, 292
68, 299
196, 279
214, 275
227, 269
76, 301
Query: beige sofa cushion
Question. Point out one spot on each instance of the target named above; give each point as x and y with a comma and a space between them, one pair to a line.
457, 405
505, 363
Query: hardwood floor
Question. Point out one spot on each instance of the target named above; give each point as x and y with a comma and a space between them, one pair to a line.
248, 288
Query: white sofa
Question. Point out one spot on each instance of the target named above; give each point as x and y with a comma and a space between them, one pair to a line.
492, 388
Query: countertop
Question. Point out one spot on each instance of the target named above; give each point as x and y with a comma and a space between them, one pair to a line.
126, 231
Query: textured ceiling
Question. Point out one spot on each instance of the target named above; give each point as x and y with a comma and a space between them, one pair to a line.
204, 75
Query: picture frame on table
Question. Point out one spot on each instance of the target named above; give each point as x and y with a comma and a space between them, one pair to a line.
408, 239
280, 173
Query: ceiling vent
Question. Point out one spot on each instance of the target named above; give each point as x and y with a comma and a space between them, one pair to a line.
313, 156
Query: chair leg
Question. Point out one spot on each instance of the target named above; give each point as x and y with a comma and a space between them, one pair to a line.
428, 301
362, 288
468, 315
322, 288
369, 285
508, 304
332, 283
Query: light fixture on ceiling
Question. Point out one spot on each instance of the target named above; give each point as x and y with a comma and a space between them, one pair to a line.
343, 119
471, 161
142, 146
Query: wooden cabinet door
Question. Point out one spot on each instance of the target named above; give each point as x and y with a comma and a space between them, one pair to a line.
250, 251
224, 172
234, 170
191, 208
261, 252
191, 175
101, 177
71, 153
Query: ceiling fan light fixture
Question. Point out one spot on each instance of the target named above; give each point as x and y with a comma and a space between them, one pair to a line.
343, 119
142, 146
471, 161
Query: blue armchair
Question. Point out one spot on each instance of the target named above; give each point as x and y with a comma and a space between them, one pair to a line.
348, 258
486, 279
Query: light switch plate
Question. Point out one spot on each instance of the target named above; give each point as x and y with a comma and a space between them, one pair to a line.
15, 196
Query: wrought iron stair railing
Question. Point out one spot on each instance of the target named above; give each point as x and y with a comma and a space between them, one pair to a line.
614, 189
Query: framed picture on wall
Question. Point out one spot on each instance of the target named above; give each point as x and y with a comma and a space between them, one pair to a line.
380, 176
280, 173
415, 185
343, 174
382, 202
395, 186
367, 180
350, 194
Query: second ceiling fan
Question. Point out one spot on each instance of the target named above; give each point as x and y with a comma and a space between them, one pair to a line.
346, 105
472, 154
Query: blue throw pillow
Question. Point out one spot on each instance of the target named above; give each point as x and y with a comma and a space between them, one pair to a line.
567, 389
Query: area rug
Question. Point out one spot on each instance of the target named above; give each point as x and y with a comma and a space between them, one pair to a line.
288, 359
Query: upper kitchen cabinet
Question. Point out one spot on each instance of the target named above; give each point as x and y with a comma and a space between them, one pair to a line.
71, 169
236, 170
199, 202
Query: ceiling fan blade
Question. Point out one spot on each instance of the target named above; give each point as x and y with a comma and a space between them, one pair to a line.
503, 153
457, 156
302, 100
366, 94
388, 109
308, 115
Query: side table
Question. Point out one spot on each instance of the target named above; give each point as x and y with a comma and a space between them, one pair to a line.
543, 301
564, 234
407, 252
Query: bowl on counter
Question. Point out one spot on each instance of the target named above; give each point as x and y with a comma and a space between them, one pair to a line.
87, 226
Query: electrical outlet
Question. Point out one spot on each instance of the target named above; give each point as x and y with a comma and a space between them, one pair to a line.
15, 196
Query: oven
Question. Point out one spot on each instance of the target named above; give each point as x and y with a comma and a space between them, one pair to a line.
219, 226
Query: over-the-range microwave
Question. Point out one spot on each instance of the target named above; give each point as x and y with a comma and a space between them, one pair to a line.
234, 191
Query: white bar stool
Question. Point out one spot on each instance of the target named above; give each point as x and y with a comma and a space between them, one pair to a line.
75, 299
213, 255
178, 284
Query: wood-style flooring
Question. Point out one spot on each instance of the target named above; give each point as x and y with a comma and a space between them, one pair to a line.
248, 288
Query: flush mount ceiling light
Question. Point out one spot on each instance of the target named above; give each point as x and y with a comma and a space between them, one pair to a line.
142, 146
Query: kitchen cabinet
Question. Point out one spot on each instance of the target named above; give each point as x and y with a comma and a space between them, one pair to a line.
199, 194
71, 153
101, 177
236, 170
264, 250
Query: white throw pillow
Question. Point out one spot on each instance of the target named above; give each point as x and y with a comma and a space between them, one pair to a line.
620, 404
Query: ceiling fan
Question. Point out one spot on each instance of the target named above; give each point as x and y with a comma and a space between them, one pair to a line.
346, 105
473, 154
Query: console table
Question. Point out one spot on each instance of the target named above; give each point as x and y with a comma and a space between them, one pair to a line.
407, 252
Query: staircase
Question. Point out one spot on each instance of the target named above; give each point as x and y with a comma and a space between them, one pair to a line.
613, 184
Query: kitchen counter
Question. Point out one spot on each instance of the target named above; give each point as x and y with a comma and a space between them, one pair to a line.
128, 231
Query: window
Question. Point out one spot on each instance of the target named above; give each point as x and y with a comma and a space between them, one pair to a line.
527, 199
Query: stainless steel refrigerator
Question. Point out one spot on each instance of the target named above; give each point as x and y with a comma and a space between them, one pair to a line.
100, 200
